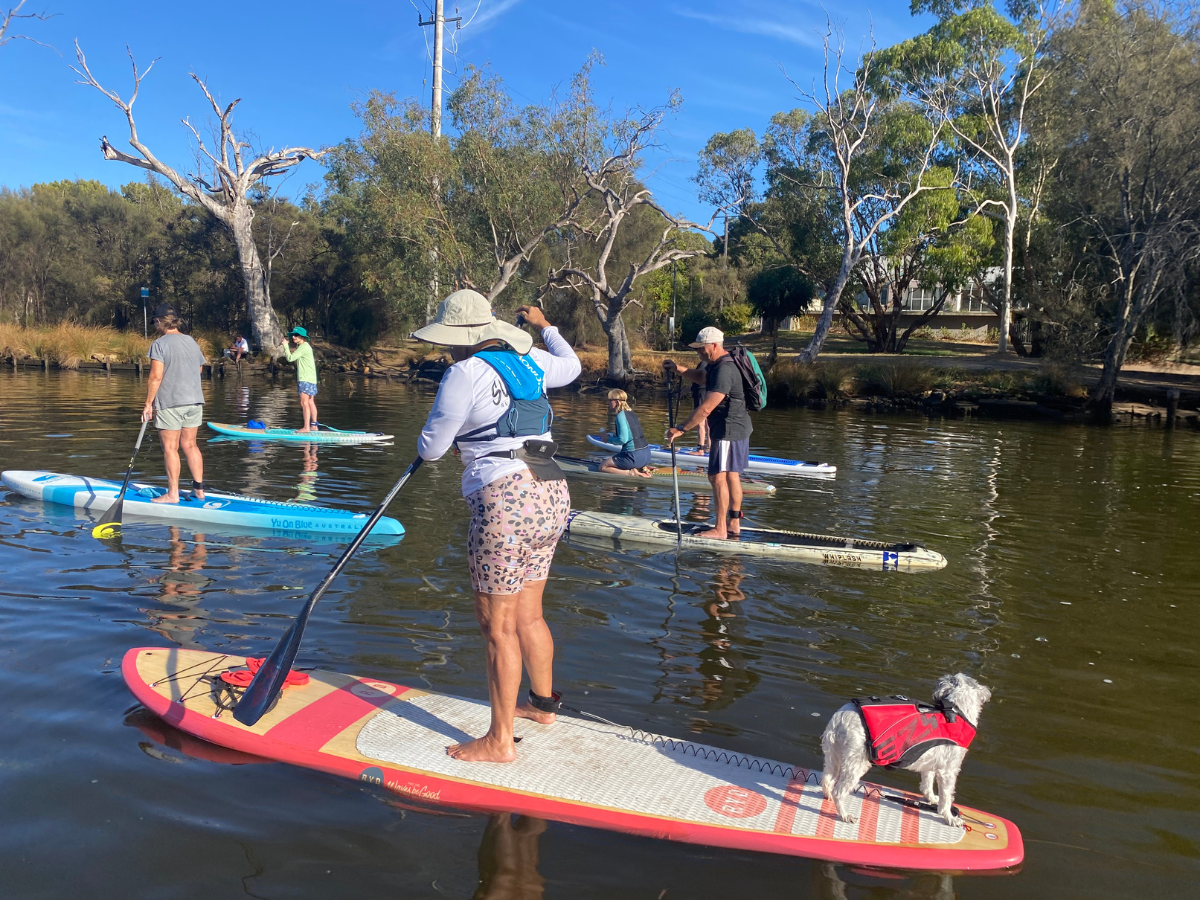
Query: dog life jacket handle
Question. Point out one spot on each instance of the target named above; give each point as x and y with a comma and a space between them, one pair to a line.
546, 704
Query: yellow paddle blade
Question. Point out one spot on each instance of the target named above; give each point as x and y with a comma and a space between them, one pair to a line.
106, 530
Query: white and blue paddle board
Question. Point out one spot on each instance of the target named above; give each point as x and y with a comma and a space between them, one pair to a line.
328, 436
690, 457
216, 508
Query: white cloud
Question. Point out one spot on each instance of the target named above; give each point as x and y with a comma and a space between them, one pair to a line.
767, 27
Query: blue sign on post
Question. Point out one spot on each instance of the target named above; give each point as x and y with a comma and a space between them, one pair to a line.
145, 321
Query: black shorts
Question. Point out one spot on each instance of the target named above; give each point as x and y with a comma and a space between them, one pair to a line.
729, 456
632, 459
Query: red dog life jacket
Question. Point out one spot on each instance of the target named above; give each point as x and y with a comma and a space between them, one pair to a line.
899, 730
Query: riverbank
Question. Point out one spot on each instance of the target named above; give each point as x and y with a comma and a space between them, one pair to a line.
941, 377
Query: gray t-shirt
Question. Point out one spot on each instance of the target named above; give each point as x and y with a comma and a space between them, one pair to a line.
730, 421
181, 358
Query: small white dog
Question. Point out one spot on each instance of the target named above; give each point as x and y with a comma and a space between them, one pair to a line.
899, 733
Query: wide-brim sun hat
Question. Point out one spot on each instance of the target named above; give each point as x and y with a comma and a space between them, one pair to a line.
465, 319
299, 330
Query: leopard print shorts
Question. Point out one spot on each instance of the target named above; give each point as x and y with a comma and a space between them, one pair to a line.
516, 522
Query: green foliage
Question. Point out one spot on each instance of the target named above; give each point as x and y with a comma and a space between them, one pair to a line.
734, 319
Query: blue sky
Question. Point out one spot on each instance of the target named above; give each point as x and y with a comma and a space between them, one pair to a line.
299, 66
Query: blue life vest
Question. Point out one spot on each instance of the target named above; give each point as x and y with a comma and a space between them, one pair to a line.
529, 413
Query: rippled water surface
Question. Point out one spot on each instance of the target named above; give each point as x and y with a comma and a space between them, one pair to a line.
1072, 591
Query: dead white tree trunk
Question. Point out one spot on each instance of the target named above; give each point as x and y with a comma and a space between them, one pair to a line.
12, 14
225, 192
848, 118
612, 195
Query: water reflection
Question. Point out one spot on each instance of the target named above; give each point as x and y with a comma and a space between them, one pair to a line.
180, 587
508, 859
868, 883
306, 490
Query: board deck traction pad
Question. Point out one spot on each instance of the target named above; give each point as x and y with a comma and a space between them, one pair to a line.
292, 434
217, 508
578, 771
822, 549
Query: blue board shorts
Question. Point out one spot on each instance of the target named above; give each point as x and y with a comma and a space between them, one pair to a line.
632, 459
729, 456
307, 387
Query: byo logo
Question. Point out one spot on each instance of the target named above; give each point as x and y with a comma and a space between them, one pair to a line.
370, 690
735, 802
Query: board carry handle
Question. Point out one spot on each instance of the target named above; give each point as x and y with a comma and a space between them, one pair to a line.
269, 679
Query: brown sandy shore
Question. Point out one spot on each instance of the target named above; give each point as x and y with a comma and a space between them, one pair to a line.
941, 377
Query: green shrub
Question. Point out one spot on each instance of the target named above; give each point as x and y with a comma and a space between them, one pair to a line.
735, 318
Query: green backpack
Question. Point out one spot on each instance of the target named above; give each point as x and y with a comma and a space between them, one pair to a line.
753, 382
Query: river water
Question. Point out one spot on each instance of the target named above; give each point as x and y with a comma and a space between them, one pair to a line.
1071, 590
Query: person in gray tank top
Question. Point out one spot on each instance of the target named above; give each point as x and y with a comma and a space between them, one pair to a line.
175, 398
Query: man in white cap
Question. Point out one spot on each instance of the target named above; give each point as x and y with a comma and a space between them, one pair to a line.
724, 407
492, 405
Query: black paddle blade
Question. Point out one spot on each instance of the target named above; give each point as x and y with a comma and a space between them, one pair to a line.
268, 681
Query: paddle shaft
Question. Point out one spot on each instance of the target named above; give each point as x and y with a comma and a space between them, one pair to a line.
674, 468
269, 679
113, 516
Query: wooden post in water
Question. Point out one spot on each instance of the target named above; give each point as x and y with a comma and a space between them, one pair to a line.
1172, 406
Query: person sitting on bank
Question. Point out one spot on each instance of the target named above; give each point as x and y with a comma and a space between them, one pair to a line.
724, 407
306, 375
175, 398
634, 456
237, 349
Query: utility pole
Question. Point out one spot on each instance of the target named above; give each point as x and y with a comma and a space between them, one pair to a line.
438, 20
672, 322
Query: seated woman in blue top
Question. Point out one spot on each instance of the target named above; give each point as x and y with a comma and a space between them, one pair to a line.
634, 458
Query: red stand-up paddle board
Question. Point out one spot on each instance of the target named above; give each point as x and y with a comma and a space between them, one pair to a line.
577, 771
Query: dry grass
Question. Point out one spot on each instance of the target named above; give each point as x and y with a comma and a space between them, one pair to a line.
792, 379
1059, 380
894, 379
832, 380
13, 341
73, 344
130, 347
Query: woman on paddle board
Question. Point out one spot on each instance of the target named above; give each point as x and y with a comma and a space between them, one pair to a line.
634, 456
492, 405
175, 398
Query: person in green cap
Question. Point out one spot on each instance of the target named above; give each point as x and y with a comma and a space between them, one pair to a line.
306, 375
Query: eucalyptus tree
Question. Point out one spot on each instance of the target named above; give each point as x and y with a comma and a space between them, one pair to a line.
828, 153
1128, 78
225, 190
472, 208
726, 174
592, 263
979, 72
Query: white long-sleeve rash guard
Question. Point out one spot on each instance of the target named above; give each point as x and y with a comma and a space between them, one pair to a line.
473, 395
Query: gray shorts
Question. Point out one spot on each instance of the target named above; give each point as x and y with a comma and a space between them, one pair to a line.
729, 456
175, 418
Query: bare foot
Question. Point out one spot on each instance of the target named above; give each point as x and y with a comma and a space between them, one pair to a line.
303, 430
199, 495
525, 711
717, 534
166, 498
484, 749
